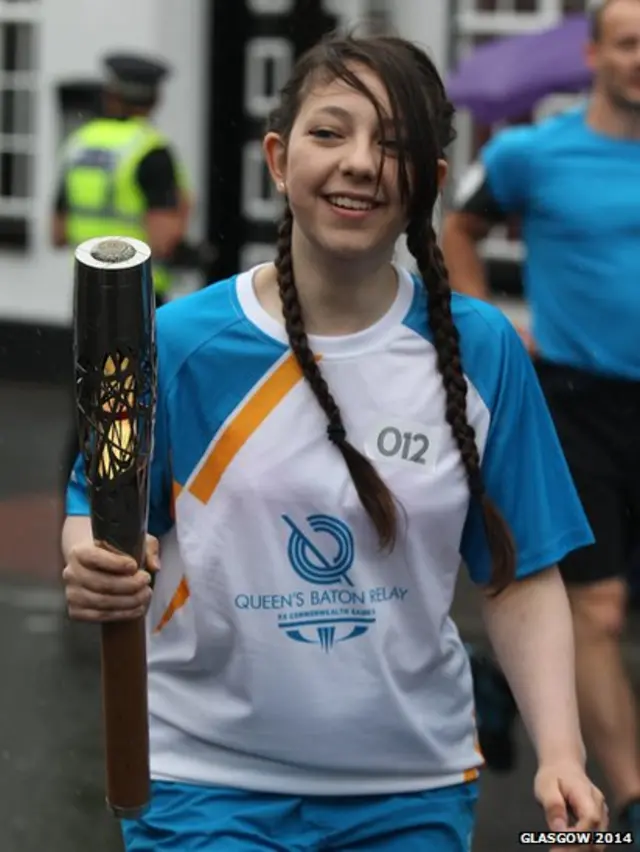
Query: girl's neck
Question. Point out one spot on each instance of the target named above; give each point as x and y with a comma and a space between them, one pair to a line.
337, 295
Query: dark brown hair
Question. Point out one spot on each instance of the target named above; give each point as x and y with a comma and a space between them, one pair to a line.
423, 122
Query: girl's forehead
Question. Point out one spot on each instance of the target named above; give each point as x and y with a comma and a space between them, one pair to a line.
322, 91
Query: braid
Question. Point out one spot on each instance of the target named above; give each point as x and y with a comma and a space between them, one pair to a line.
372, 492
423, 245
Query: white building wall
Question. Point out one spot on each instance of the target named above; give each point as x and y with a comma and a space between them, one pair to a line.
37, 285
183, 40
425, 22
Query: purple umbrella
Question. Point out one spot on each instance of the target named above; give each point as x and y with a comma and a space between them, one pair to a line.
506, 78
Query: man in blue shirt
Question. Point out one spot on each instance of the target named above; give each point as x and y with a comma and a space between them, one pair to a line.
574, 183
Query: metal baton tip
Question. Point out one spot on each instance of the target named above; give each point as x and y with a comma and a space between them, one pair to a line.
112, 255
113, 251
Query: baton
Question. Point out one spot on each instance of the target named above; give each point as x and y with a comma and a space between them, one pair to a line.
115, 365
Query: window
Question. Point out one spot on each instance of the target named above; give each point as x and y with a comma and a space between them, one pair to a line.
18, 94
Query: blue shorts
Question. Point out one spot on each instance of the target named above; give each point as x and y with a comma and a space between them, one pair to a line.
198, 819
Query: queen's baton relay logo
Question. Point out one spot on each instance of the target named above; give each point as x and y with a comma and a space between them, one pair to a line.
322, 553
309, 561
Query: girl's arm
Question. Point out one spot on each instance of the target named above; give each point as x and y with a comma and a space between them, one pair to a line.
530, 627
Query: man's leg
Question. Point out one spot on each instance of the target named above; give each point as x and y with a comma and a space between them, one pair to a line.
597, 590
597, 424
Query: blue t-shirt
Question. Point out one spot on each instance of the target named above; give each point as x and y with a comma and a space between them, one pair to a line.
578, 195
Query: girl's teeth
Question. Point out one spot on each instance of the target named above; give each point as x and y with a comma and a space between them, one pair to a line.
351, 204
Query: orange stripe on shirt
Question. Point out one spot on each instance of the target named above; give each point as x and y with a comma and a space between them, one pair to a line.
175, 493
238, 431
179, 599
244, 424
476, 739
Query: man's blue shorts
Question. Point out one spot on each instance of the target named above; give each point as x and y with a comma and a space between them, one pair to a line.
187, 818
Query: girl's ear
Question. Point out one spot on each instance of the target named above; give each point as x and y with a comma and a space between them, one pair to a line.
275, 154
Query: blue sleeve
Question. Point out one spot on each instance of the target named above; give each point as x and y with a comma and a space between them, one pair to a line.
160, 486
77, 502
507, 162
525, 472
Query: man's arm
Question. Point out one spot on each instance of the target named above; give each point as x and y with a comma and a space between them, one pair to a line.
475, 212
495, 188
168, 209
58, 229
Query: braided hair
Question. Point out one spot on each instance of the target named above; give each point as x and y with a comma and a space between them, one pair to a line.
423, 117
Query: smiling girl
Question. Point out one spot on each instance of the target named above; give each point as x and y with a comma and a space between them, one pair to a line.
333, 436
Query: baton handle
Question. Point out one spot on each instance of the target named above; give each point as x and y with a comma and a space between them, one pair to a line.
126, 719
126, 713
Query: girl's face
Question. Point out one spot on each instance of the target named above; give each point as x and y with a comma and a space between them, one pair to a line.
330, 165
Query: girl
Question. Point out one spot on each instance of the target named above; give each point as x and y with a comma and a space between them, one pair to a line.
332, 436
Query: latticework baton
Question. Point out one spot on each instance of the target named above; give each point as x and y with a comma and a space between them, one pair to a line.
115, 365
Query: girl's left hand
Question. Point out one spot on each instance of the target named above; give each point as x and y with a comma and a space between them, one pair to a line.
569, 799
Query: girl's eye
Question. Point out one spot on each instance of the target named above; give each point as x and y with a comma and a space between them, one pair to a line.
323, 133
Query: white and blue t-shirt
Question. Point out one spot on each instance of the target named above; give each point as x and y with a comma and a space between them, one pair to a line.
576, 192
286, 652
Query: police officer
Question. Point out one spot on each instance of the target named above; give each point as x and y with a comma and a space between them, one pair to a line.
118, 174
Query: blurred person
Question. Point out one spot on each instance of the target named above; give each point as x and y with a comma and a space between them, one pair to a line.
120, 177
308, 687
574, 183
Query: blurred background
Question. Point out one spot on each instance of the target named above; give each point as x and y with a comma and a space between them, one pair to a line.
229, 57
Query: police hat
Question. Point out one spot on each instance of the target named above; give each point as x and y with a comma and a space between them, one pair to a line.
134, 77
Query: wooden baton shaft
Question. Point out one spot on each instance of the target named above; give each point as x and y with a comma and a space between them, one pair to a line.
126, 717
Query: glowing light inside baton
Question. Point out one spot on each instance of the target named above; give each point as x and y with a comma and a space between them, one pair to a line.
118, 394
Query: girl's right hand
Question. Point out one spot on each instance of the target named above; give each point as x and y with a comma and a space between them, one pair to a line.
101, 585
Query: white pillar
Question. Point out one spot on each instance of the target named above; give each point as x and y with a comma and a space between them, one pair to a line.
182, 42
426, 23
350, 13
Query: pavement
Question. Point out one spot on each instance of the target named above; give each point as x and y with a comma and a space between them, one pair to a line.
51, 762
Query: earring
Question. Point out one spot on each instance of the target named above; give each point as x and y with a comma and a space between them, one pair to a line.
281, 186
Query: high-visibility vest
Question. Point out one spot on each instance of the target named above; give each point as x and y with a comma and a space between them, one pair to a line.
100, 162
